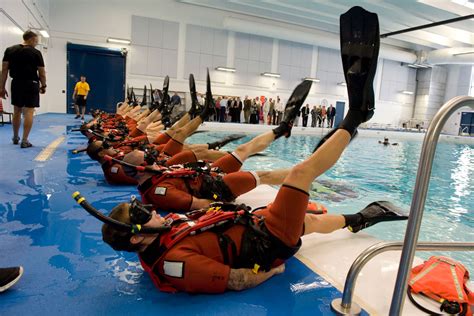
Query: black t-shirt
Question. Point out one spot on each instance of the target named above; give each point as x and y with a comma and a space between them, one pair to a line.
23, 62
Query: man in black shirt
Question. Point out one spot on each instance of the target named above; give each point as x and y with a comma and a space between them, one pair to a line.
26, 66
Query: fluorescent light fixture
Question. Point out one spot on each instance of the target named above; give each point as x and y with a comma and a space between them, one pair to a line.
271, 74
407, 92
44, 33
311, 79
465, 3
464, 53
416, 65
118, 41
226, 69
342, 83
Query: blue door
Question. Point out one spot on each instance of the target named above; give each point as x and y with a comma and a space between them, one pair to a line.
339, 113
104, 69
466, 125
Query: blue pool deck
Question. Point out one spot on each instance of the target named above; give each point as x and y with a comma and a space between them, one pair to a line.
69, 270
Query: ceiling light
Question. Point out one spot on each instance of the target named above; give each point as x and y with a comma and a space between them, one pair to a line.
311, 79
465, 3
407, 92
44, 33
416, 65
271, 74
342, 83
227, 69
464, 53
118, 41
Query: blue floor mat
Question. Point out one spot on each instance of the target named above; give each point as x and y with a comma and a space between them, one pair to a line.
68, 269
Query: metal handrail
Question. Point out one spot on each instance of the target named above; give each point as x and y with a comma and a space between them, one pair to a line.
345, 306
414, 222
419, 197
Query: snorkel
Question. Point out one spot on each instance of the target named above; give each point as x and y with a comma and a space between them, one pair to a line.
139, 213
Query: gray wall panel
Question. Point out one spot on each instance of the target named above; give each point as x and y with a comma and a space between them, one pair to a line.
139, 30
193, 38
154, 67
170, 35
155, 34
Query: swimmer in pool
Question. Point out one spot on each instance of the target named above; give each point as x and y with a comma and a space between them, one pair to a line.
386, 142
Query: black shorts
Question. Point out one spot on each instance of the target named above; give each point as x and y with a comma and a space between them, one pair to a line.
80, 101
25, 93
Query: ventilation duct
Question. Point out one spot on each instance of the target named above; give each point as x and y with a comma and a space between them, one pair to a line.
454, 55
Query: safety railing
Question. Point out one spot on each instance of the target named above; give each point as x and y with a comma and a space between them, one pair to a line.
345, 306
414, 222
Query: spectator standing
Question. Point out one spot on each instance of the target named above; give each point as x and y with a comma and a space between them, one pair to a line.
323, 115
320, 118
254, 111
175, 99
223, 114
239, 109
305, 113
26, 67
271, 112
331, 115
279, 110
314, 116
247, 109
218, 109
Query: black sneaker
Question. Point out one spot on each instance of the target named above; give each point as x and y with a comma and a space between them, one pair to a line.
26, 144
9, 276
15, 140
77, 116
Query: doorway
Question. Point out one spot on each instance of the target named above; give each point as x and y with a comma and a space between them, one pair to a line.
340, 106
104, 69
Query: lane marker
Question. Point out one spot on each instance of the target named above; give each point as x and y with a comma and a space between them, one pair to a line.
46, 153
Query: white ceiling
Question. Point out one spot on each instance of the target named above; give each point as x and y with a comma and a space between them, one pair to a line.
393, 15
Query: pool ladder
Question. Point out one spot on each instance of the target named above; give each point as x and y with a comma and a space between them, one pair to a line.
344, 305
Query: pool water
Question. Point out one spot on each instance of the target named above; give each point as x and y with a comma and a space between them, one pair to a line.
368, 172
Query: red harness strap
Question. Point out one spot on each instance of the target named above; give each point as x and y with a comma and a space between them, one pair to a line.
183, 226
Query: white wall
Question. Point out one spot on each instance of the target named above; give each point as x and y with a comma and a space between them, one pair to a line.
16, 16
113, 18
458, 83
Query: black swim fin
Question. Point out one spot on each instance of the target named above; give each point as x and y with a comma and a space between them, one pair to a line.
194, 99
292, 108
144, 98
360, 44
221, 143
376, 212
209, 104
165, 99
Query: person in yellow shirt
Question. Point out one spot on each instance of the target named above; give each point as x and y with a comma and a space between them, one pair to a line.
80, 97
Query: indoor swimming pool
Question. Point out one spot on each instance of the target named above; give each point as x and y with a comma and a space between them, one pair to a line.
68, 269
369, 171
